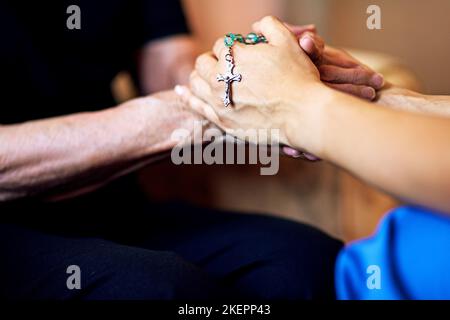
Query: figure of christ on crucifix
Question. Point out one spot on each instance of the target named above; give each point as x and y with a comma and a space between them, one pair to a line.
229, 77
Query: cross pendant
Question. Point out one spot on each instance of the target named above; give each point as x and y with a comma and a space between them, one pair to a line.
229, 77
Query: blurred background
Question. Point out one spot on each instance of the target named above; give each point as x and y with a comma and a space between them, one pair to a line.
411, 50
416, 32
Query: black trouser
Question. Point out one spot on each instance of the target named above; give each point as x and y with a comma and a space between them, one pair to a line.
166, 252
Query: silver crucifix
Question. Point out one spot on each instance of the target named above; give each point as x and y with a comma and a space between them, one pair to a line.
229, 77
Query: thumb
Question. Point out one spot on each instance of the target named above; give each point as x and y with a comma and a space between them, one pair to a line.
312, 44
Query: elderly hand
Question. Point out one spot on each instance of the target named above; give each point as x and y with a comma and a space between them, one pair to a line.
337, 68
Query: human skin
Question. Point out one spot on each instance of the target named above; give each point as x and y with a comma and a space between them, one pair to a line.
403, 153
65, 156
337, 68
407, 100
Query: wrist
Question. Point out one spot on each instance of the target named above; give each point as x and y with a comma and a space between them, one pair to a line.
164, 122
148, 126
304, 115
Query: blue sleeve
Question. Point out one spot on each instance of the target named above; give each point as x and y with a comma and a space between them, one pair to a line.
407, 258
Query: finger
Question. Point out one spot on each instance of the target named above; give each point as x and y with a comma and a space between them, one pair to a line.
299, 30
338, 57
206, 66
199, 87
297, 154
218, 48
274, 30
189, 99
358, 76
198, 105
311, 157
363, 92
312, 44
290, 152
202, 90
220, 51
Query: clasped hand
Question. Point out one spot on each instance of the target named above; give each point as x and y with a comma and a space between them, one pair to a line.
282, 81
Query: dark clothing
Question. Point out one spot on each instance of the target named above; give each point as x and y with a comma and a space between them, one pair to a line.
126, 247
169, 252
49, 70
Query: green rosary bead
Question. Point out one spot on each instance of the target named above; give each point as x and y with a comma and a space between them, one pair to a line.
251, 38
240, 38
229, 39
262, 39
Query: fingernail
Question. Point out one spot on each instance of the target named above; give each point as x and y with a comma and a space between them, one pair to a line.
291, 152
310, 157
369, 93
307, 44
179, 90
378, 80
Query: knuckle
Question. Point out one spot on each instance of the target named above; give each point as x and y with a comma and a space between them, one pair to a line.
238, 48
270, 19
218, 45
204, 62
326, 73
354, 89
192, 76
320, 41
199, 62
195, 85
223, 52
310, 34
363, 75
219, 41
356, 75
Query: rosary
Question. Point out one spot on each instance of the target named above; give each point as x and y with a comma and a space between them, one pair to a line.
229, 77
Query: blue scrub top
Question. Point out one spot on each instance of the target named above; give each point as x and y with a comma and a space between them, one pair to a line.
407, 258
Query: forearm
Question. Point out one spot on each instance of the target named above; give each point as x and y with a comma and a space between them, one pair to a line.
404, 154
46, 156
407, 100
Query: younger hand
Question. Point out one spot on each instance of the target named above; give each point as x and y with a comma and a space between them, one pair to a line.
278, 77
